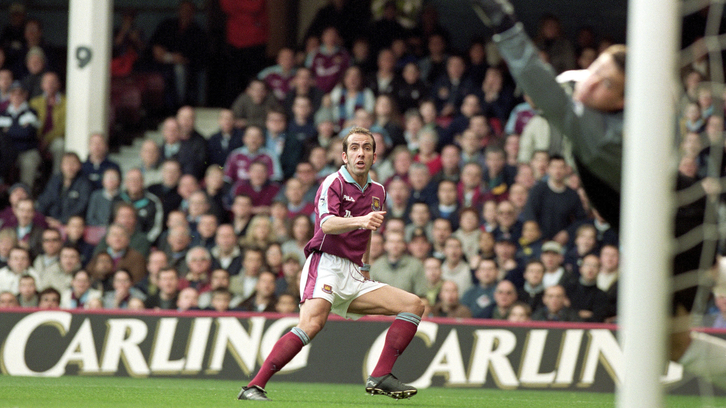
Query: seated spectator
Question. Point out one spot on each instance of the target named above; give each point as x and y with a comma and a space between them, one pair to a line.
329, 61
66, 194
122, 292
19, 125
8, 300
227, 139
497, 97
8, 239
101, 271
555, 309
349, 96
101, 202
432, 273
198, 265
302, 125
49, 299
505, 295
286, 147
149, 212
585, 297
17, 192
484, 249
157, 261
397, 268
449, 89
530, 243
226, 253
171, 139
250, 107
263, 299
204, 234
440, 231
61, 275
518, 196
258, 187
286, 304
470, 106
448, 305
448, 206
607, 278
260, 234
6, 79
498, 175
471, 190
167, 189
508, 226
125, 216
220, 300
289, 282
388, 118
450, 160
555, 273
150, 162
241, 214
427, 154
422, 189
166, 297
243, 284
469, 232
178, 48
18, 265
80, 294
36, 64
50, 107
238, 162
98, 162
27, 292
278, 78
188, 299
177, 244
75, 230
478, 297
533, 290
520, 312
218, 281
455, 268
434, 64
122, 254
197, 205
47, 261
419, 245
585, 244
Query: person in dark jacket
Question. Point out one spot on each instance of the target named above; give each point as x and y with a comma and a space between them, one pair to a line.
67, 194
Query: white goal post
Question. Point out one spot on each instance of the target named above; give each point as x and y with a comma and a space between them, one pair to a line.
653, 41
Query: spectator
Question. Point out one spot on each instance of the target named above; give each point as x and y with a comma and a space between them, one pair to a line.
125, 215
258, 187
278, 78
471, 191
241, 214
8, 300
717, 320
28, 232
555, 273
303, 84
302, 126
301, 231
166, 297
454, 268
448, 205
188, 300
101, 270
397, 268
36, 64
349, 96
286, 303
47, 262
448, 305
123, 256
101, 202
221, 299
60, 275
518, 196
178, 48
607, 278
533, 290
585, 244
260, 233
19, 124
193, 149
167, 189
263, 299
75, 230
218, 281
122, 292
497, 97
244, 283
289, 282
246, 36
411, 89
451, 87
387, 118
227, 139
440, 231
171, 135
239, 160
12, 34
478, 297
520, 312
469, 232
498, 175
197, 205
150, 213
50, 107
530, 243
283, 145
67, 194
178, 242
422, 189
329, 61
450, 160
250, 107
434, 65
8, 239
27, 293
432, 272
553, 205
157, 261
555, 309
198, 266
485, 249
551, 41
471, 148
80, 295
150, 162
505, 295
98, 162
49, 298
427, 141
585, 297
206, 228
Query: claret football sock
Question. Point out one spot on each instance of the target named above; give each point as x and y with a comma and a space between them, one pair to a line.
285, 350
399, 335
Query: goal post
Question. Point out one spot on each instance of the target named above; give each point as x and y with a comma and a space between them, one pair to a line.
647, 198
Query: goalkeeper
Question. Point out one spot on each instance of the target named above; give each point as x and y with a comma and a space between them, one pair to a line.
592, 119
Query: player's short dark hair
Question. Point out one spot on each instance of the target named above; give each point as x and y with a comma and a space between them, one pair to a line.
358, 130
618, 52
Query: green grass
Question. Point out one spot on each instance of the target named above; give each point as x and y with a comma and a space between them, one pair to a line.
101, 392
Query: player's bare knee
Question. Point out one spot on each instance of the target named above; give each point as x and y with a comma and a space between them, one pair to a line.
414, 305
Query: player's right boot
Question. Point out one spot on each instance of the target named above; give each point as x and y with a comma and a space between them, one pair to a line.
389, 386
253, 393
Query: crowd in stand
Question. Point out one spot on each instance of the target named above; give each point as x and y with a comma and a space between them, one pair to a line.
485, 214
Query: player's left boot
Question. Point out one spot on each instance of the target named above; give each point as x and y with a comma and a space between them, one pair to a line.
390, 386
253, 393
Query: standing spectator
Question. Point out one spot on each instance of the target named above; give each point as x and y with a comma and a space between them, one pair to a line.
478, 297
150, 213
505, 296
98, 161
166, 297
193, 149
555, 309
247, 33
18, 265
399, 269
551, 41
80, 295
434, 64
122, 292
227, 139
450, 88
150, 162
329, 61
585, 297
178, 50
278, 78
100, 204
410, 89
36, 64
449, 305
66, 194
51, 109
19, 124
167, 190
553, 205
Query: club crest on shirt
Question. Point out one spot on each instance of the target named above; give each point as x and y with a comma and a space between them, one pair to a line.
376, 206
327, 289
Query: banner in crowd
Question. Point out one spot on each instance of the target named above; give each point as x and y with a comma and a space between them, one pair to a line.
467, 353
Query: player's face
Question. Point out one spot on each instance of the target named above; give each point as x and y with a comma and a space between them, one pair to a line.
360, 155
603, 88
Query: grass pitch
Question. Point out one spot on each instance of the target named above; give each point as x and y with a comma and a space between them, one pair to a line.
116, 392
